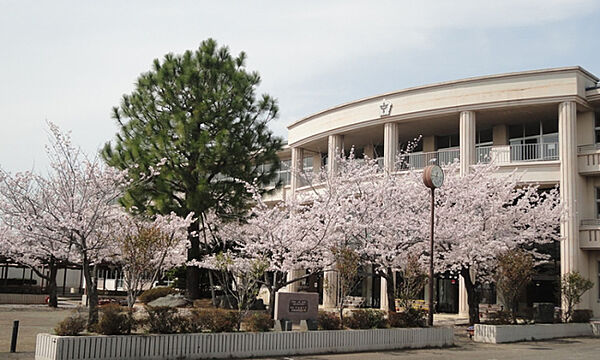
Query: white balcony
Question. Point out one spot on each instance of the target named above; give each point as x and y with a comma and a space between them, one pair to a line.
589, 234
441, 157
517, 153
588, 159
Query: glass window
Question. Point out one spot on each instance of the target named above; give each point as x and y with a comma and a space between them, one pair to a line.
550, 126
598, 203
598, 283
484, 136
378, 149
307, 165
597, 128
515, 131
532, 129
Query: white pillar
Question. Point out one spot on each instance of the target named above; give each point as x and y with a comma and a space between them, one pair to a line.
467, 158
567, 143
335, 147
383, 299
391, 138
296, 170
297, 167
467, 140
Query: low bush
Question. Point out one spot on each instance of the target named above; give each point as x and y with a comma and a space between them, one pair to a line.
153, 294
408, 318
72, 325
115, 320
328, 321
366, 319
213, 320
258, 322
582, 316
502, 317
164, 320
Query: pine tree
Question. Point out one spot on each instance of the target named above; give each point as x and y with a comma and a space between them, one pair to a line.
197, 114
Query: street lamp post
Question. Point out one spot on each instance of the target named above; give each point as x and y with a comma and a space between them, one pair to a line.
433, 177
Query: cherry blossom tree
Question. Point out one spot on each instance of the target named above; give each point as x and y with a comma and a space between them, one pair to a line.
482, 214
70, 209
25, 236
145, 247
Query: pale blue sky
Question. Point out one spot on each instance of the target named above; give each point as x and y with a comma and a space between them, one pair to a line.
70, 61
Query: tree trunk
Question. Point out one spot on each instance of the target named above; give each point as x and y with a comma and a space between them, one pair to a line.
51, 286
192, 274
211, 282
390, 290
92, 293
472, 297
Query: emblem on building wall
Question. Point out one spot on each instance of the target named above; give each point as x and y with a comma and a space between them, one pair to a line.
386, 107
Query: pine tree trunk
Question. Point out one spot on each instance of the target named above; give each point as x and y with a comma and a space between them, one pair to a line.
51, 286
192, 275
472, 297
92, 294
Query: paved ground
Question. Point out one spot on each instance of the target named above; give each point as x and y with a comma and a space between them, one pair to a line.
37, 318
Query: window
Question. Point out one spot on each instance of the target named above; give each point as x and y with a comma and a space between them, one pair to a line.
597, 128
484, 137
447, 141
598, 203
307, 165
534, 140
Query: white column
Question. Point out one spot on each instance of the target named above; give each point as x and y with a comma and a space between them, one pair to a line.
467, 158
567, 143
335, 147
383, 299
467, 140
296, 178
391, 138
297, 167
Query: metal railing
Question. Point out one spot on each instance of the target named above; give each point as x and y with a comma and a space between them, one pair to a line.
590, 222
483, 154
533, 152
440, 157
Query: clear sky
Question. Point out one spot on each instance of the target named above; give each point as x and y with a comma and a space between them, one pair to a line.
69, 62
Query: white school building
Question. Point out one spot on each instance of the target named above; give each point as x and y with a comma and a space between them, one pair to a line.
545, 123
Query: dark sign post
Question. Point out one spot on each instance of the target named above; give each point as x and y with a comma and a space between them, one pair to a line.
15, 333
433, 177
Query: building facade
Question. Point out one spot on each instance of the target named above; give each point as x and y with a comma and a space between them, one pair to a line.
543, 123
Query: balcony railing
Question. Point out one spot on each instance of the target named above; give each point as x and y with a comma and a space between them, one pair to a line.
590, 222
517, 153
440, 157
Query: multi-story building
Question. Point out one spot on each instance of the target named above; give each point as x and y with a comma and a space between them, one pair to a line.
543, 123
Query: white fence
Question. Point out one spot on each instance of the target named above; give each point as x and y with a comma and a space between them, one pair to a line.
231, 345
23, 298
510, 333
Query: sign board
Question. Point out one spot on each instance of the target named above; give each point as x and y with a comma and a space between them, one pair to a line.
296, 306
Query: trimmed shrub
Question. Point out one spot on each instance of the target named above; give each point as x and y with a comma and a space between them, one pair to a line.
213, 320
502, 317
259, 322
164, 320
367, 319
582, 316
72, 325
328, 321
115, 320
157, 292
409, 318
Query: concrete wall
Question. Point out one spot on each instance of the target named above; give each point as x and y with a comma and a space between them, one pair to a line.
497, 334
228, 345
